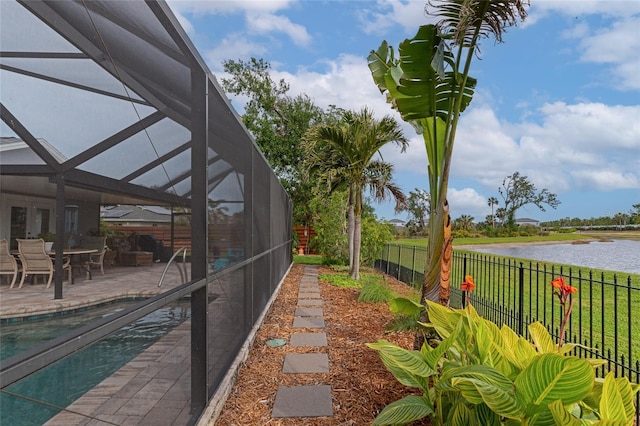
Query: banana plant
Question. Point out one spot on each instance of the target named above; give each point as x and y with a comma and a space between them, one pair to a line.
430, 86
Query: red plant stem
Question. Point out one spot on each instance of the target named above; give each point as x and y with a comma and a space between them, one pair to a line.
564, 323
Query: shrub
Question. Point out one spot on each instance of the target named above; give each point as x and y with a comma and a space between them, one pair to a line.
376, 292
479, 374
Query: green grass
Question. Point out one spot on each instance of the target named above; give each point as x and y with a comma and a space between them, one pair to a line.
341, 280
600, 308
309, 259
422, 242
376, 291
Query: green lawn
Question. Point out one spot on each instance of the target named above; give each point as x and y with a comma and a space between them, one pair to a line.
599, 309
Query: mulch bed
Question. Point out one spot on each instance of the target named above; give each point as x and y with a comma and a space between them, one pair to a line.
360, 384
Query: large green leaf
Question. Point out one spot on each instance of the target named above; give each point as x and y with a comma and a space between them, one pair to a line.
433, 355
541, 338
404, 411
461, 379
562, 416
500, 399
460, 415
443, 319
616, 402
408, 367
401, 305
551, 377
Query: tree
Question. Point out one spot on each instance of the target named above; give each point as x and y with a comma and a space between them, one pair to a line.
278, 122
517, 191
344, 151
430, 86
418, 208
492, 201
463, 223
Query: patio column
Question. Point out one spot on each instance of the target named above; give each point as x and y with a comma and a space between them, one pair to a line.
59, 243
199, 151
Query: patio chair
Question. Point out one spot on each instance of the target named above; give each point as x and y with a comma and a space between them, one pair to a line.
8, 263
96, 259
34, 259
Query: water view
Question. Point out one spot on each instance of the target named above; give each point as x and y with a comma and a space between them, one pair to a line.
616, 255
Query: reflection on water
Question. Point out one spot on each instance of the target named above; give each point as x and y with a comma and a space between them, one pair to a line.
617, 255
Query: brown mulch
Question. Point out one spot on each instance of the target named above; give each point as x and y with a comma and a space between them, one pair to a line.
360, 384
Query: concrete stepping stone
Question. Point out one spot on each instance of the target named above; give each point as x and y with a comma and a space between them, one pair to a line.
310, 302
308, 339
308, 295
308, 322
308, 312
303, 401
305, 363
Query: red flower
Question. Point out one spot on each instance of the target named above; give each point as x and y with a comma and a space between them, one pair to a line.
558, 283
468, 284
564, 289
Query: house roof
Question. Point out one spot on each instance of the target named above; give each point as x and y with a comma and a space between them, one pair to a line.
527, 220
131, 213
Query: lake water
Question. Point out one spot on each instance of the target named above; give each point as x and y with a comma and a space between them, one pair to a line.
616, 255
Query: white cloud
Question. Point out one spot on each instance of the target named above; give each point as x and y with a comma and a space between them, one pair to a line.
387, 13
606, 180
233, 46
467, 201
265, 23
200, 7
617, 46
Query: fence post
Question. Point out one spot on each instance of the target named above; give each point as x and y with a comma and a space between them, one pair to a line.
388, 254
399, 259
413, 266
464, 275
521, 300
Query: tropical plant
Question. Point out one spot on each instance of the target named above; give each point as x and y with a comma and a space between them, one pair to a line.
429, 84
47, 236
492, 201
479, 374
344, 151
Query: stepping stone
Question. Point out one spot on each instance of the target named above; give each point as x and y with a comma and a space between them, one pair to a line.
305, 363
308, 295
308, 312
308, 339
310, 302
303, 401
308, 322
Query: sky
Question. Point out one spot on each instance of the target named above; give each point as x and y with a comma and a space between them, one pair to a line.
558, 101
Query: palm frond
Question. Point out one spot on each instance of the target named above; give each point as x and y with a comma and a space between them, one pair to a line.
463, 18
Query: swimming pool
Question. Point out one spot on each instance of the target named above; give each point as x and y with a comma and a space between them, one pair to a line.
63, 382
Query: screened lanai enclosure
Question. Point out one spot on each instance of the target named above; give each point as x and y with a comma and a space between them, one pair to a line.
107, 103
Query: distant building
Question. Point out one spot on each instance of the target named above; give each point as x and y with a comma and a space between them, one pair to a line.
527, 221
127, 215
398, 224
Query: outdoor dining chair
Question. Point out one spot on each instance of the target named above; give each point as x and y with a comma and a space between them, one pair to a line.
96, 259
8, 263
34, 259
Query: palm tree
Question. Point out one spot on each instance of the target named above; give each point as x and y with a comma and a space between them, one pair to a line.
344, 151
492, 201
429, 84
464, 222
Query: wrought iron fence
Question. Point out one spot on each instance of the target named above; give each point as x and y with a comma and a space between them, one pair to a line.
604, 320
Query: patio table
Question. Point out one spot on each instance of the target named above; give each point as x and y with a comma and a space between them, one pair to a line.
74, 253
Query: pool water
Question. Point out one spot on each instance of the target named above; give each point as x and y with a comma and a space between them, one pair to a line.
57, 386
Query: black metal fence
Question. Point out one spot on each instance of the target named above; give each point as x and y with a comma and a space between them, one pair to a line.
604, 319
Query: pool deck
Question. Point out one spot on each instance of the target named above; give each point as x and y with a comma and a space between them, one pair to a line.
117, 283
154, 387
